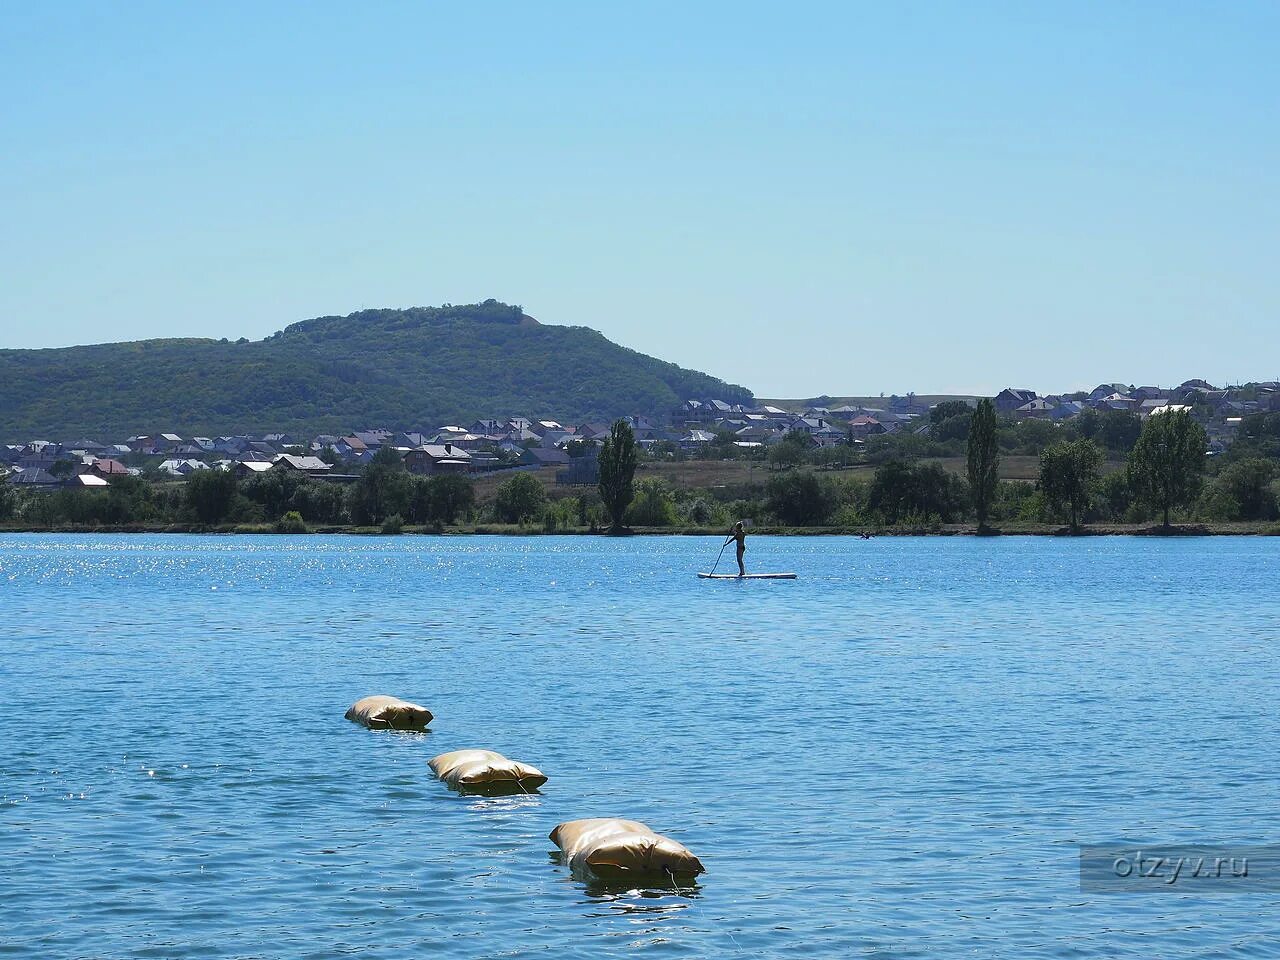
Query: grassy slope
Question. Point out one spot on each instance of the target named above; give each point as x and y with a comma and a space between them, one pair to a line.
400, 369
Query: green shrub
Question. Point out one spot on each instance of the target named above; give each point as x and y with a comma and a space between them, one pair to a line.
211, 494
441, 500
8, 501
393, 524
914, 494
384, 488
520, 497
701, 512
291, 522
653, 505
849, 515
1243, 490
800, 498
1032, 508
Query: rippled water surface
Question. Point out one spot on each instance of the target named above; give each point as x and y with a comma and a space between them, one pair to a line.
895, 755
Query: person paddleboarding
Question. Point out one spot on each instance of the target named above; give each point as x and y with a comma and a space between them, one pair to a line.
739, 533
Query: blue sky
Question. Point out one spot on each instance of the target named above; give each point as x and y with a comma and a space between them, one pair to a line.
803, 198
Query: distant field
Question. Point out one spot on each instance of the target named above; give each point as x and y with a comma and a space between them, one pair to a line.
711, 473
705, 474
486, 484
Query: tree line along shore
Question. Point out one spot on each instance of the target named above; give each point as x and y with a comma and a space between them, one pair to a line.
1162, 483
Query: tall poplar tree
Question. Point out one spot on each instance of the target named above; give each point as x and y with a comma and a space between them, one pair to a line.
617, 471
984, 460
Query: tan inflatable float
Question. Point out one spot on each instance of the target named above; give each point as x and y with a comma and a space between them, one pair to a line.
484, 770
389, 713
615, 849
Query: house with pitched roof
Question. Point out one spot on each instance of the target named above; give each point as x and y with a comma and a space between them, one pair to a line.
1039, 408
582, 470
33, 478
544, 457
182, 467
433, 459
351, 446
695, 439
244, 469
107, 468
311, 466
863, 426
84, 481
1011, 398
1104, 390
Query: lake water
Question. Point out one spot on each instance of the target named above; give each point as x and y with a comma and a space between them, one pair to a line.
896, 755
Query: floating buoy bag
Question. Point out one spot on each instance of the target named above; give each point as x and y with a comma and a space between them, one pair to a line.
612, 848
389, 713
484, 770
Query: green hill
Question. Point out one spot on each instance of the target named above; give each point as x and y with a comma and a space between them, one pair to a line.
400, 369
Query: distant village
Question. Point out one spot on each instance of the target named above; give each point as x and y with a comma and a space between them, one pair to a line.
524, 443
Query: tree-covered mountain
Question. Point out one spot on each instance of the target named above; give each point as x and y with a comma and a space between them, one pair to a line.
400, 369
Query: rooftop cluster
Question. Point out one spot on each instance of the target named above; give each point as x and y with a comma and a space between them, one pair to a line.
524, 442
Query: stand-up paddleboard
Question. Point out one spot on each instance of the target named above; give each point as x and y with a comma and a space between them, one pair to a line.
749, 576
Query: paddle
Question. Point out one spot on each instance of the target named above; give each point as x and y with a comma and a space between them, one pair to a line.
719, 555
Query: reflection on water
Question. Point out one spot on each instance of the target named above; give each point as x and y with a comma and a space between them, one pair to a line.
639, 902
627, 891
895, 755
654, 899
501, 803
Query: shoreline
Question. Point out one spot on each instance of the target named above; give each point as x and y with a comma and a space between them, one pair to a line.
1223, 529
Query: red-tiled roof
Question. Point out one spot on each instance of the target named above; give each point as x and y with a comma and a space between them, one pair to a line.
110, 467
